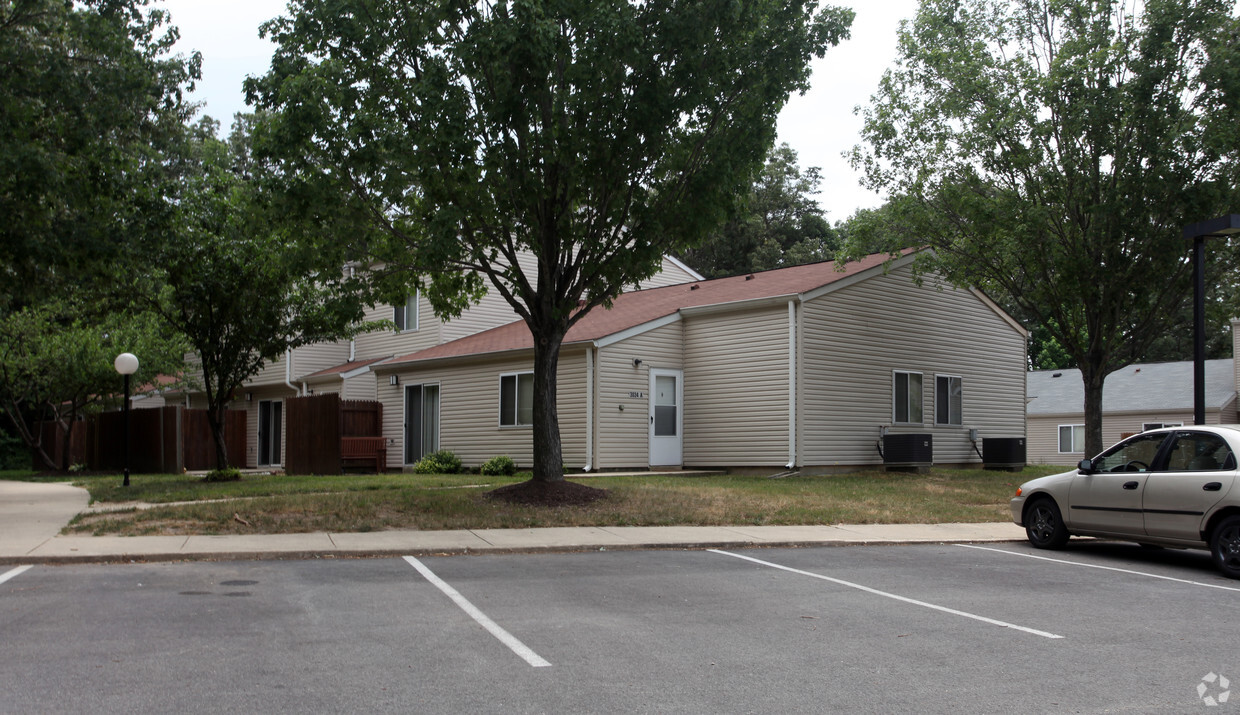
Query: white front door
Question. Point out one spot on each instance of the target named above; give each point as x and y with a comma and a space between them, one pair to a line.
666, 417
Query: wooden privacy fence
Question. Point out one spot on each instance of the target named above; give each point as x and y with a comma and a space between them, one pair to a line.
165, 440
323, 434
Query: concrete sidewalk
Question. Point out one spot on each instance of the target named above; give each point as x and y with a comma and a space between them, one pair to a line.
31, 515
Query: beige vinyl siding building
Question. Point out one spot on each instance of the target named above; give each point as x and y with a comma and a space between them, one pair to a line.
469, 409
788, 369
1134, 398
621, 425
857, 335
737, 387
346, 367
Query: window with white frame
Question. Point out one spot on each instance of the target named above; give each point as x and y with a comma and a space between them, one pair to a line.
406, 316
1071, 438
1146, 427
948, 400
516, 399
906, 397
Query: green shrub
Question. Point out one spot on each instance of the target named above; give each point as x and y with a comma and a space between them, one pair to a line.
231, 474
13, 452
501, 466
441, 462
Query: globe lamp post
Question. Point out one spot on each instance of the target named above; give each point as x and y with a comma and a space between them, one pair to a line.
126, 364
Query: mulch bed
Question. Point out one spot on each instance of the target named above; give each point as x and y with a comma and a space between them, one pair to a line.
536, 493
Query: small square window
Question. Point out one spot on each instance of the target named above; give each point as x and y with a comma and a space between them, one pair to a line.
1071, 438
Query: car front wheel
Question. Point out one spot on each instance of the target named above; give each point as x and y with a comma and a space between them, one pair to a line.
1044, 525
1225, 546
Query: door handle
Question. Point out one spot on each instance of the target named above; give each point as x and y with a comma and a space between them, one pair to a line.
652, 419
1131, 485
1212, 486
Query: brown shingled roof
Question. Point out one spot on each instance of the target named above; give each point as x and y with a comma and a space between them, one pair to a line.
343, 368
638, 307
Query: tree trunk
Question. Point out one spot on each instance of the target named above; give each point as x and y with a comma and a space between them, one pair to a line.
548, 452
1093, 376
215, 419
33, 441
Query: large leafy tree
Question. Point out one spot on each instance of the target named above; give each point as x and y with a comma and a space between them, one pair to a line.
89, 98
56, 363
592, 135
232, 281
780, 224
1051, 151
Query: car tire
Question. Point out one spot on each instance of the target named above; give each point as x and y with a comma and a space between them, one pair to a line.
1225, 546
1044, 525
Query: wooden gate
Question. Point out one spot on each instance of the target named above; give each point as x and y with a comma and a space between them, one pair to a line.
199, 444
312, 434
316, 425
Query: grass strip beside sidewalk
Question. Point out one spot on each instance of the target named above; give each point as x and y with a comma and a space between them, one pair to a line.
273, 504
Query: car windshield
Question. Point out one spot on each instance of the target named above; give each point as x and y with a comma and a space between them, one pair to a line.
1135, 455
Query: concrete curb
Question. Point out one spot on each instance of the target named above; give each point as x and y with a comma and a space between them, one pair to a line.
422, 551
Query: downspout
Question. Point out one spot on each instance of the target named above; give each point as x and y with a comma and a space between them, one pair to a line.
589, 410
352, 341
288, 370
792, 384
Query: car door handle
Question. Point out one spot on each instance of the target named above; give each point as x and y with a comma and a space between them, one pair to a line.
1132, 485
1212, 486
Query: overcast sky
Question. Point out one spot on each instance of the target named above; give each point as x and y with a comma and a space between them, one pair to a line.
820, 125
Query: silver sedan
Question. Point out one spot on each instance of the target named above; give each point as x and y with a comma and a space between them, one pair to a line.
1166, 487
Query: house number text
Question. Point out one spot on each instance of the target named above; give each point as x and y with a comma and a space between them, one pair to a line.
637, 395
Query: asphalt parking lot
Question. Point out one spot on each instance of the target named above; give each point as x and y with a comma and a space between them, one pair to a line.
1096, 628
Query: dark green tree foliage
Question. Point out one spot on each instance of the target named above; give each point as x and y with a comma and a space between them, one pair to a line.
1051, 152
232, 282
592, 135
56, 363
88, 98
780, 224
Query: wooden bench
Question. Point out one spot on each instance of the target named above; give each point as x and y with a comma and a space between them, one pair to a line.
364, 450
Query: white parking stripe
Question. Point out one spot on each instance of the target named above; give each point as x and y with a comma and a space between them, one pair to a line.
14, 572
885, 594
504, 636
1097, 566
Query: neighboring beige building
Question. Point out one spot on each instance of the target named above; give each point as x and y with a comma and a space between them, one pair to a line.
1134, 399
798, 368
346, 367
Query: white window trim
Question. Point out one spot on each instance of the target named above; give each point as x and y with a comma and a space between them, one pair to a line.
517, 396
1059, 444
1147, 426
922, 421
948, 396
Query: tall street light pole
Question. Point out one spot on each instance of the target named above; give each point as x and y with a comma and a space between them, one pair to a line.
1199, 232
126, 364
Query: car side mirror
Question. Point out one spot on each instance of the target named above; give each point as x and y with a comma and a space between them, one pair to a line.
1086, 466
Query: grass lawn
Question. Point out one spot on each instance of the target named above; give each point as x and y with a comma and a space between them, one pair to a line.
288, 504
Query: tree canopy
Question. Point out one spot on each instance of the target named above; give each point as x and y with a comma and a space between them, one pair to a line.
1051, 152
89, 96
56, 363
232, 281
779, 224
592, 135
